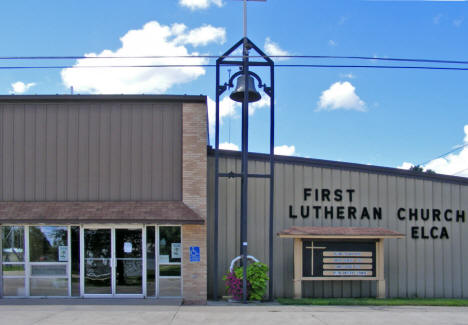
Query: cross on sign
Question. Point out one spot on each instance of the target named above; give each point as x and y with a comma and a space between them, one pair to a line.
312, 256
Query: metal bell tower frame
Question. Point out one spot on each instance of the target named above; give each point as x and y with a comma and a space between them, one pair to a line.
244, 66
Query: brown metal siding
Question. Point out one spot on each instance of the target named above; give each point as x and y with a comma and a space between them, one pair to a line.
90, 151
413, 267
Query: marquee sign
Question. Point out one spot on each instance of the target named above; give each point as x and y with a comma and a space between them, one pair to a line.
338, 258
338, 253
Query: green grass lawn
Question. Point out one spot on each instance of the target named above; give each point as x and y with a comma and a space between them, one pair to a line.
374, 302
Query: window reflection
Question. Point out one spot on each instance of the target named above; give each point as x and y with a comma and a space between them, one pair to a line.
13, 244
48, 244
97, 243
169, 245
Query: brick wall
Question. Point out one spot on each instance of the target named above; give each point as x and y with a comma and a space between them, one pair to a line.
194, 273
194, 191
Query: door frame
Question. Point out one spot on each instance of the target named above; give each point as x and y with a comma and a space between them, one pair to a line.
113, 261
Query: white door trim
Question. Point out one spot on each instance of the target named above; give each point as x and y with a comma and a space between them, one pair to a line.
113, 261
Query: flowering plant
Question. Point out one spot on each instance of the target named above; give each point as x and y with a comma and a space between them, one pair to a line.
233, 285
257, 277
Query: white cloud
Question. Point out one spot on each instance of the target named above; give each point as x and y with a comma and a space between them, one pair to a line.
341, 95
200, 4
285, 150
332, 43
452, 164
202, 36
152, 40
263, 102
227, 108
229, 146
436, 19
273, 49
347, 75
20, 87
405, 165
457, 22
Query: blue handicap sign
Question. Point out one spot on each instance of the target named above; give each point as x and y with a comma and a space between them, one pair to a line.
194, 254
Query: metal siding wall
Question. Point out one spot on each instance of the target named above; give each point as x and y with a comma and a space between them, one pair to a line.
29, 148
429, 263
410, 247
147, 157
446, 246
438, 262
210, 225
390, 245
90, 151
401, 257
464, 242
8, 161
413, 267
18, 152
94, 131
346, 183
456, 247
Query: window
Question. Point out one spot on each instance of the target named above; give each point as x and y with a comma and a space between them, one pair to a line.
13, 266
48, 256
35, 260
170, 257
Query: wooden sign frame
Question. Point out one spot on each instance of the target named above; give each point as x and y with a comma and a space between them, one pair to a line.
298, 269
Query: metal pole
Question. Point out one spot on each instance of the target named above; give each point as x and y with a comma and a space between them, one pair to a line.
244, 168
216, 189
245, 18
272, 180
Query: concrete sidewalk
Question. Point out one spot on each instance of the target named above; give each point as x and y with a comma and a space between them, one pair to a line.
61, 312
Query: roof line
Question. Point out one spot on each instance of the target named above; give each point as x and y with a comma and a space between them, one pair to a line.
344, 165
120, 97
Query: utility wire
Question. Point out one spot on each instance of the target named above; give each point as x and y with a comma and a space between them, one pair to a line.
77, 57
443, 155
213, 65
460, 171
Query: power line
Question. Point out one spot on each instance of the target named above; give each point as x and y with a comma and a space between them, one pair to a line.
109, 66
460, 171
443, 155
369, 66
213, 65
340, 57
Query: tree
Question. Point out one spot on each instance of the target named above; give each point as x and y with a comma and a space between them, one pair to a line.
419, 169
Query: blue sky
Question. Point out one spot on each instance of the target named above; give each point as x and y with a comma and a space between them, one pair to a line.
369, 116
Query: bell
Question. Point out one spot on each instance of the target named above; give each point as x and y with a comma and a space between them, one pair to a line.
238, 94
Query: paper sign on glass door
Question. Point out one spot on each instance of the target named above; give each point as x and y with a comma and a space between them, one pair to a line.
63, 253
175, 250
128, 247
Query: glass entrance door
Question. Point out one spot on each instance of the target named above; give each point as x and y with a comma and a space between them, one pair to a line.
129, 261
112, 262
97, 275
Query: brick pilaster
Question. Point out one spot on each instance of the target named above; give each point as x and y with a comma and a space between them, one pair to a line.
194, 195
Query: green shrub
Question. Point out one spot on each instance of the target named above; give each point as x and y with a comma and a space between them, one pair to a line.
257, 278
